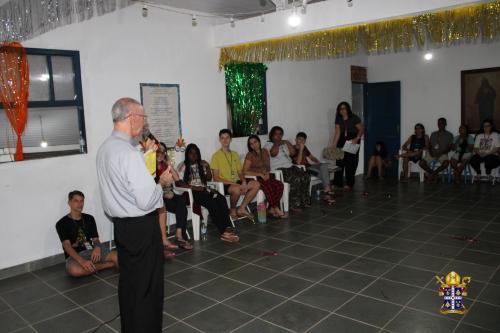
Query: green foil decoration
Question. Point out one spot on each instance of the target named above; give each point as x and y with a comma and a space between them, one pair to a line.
246, 98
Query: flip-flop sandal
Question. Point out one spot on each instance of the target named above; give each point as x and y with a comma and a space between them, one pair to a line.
231, 238
184, 244
171, 246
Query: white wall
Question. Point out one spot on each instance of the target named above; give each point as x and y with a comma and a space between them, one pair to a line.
117, 52
303, 96
431, 89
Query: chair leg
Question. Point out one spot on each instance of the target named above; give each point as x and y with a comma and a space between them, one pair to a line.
195, 221
285, 197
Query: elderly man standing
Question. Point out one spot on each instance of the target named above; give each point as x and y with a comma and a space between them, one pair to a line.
131, 197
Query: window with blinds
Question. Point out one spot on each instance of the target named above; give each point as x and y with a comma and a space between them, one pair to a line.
56, 123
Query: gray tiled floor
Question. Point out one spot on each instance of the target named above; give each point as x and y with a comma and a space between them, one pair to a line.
366, 264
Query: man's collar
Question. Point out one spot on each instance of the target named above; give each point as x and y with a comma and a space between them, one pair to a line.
121, 135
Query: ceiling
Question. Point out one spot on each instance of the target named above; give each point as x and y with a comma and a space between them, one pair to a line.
238, 8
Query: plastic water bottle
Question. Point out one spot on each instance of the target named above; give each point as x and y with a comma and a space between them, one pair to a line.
261, 212
203, 231
82, 143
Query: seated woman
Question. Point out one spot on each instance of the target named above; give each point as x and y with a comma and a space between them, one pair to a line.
413, 149
486, 147
378, 160
257, 163
463, 146
281, 152
196, 175
174, 203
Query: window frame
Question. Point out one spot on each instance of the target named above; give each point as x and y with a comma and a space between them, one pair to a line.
53, 103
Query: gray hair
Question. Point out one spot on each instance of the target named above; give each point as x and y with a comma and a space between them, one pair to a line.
120, 109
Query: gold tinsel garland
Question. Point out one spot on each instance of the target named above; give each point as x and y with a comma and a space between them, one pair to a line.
444, 28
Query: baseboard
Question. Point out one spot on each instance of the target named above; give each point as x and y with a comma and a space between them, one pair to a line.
34, 265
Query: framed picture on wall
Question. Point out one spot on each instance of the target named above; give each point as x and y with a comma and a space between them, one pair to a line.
480, 97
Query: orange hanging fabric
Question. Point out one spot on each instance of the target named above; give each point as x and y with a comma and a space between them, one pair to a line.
14, 89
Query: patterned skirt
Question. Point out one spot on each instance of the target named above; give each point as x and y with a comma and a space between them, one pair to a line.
273, 189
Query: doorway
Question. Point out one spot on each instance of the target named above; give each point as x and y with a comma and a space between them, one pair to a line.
382, 119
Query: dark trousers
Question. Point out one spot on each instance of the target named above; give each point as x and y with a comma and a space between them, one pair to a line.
490, 163
299, 181
217, 208
349, 163
140, 288
177, 206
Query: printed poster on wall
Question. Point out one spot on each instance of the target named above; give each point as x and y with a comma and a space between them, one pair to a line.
162, 106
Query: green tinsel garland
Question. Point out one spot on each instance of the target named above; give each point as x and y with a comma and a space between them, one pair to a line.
245, 93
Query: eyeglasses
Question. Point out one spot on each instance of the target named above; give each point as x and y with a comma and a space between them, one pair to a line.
138, 114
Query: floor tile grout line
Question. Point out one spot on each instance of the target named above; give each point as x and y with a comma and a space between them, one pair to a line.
290, 298
290, 267
63, 292
358, 293
330, 247
405, 306
486, 283
78, 306
255, 319
318, 282
18, 314
422, 289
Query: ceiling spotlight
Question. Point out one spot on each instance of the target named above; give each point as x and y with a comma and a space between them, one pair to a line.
428, 56
194, 23
262, 18
232, 22
44, 144
294, 19
349, 3
144, 11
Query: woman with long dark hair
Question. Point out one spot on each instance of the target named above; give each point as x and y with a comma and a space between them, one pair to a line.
281, 152
258, 163
463, 146
196, 175
348, 128
486, 147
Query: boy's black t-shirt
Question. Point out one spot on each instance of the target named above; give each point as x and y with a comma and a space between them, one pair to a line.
77, 231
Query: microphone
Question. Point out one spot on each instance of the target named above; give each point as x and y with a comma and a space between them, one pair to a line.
146, 134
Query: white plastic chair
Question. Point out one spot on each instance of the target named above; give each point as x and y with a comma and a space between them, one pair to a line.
316, 180
285, 198
220, 188
195, 218
495, 173
412, 166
